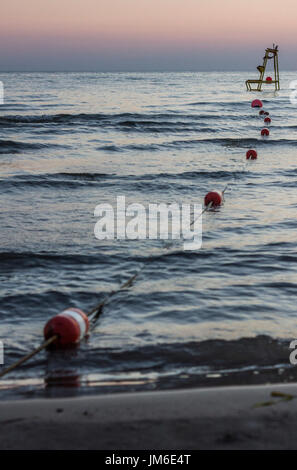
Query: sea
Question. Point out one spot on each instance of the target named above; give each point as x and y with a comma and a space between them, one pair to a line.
222, 314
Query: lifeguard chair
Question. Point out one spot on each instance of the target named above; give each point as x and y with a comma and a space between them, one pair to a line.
269, 54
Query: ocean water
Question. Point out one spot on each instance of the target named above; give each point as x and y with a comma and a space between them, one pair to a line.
223, 314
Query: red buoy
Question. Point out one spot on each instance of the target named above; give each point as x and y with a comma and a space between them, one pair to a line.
268, 79
256, 104
267, 120
265, 132
214, 197
70, 326
266, 113
251, 155
261, 112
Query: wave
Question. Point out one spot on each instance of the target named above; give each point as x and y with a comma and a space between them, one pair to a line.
194, 358
224, 104
152, 123
12, 146
122, 119
221, 354
240, 142
13, 260
164, 126
148, 181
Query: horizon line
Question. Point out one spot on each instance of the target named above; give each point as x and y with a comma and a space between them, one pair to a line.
136, 71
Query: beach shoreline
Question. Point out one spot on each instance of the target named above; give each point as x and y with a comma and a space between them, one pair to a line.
235, 417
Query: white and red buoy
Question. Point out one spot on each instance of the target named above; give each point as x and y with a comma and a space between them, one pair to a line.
257, 104
267, 120
70, 326
215, 198
251, 154
265, 132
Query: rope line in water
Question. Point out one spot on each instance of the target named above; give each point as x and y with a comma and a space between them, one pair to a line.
200, 215
95, 313
28, 356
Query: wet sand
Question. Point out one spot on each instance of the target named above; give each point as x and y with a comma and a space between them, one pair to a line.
252, 417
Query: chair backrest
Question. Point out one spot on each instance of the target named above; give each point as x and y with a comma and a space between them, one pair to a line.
261, 68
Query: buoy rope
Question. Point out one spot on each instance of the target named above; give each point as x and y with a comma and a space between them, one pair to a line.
93, 315
28, 356
97, 310
201, 214
232, 182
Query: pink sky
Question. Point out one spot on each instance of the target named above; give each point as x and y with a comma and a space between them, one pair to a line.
144, 34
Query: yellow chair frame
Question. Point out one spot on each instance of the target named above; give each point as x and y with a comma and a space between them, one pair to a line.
274, 55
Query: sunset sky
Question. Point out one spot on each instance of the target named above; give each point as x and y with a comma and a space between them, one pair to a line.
131, 35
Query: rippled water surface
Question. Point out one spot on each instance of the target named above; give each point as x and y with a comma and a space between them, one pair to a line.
223, 314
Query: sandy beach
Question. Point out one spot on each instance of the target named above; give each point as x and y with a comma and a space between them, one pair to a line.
254, 417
